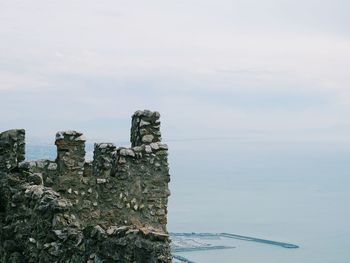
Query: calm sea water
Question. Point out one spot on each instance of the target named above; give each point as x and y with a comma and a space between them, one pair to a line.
293, 192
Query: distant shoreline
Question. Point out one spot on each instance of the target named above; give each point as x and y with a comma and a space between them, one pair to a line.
191, 248
233, 236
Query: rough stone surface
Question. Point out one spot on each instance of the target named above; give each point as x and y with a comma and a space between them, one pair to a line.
12, 149
145, 128
113, 209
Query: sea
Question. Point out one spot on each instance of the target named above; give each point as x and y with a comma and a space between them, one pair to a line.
296, 192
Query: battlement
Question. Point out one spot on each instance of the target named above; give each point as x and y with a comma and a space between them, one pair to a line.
70, 152
120, 187
12, 149
145, 128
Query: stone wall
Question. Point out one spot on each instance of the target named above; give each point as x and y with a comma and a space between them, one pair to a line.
145, 128
113, 209
12, 149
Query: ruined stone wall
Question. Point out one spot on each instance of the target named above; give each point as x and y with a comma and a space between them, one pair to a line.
145, 128
113, 209
12, 149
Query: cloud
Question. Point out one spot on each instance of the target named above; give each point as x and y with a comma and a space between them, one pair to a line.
19, 81
229, 67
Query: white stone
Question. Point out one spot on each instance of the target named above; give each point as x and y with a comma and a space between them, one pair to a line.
81, 138
148, 138
127, 152
130, 152
102, 145
52, 167
101, 180
137, 149
144, 123
111, 230
148, 149
154, 146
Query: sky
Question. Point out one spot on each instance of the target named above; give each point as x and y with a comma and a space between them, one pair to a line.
252, 69
254, 97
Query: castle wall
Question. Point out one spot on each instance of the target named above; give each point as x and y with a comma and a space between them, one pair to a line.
145, 128
121, 194
12, 149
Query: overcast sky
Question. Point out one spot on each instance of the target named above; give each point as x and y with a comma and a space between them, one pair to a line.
276, 69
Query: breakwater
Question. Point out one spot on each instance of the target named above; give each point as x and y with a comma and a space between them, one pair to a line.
232, 236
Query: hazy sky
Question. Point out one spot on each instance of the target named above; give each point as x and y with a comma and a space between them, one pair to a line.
224, 68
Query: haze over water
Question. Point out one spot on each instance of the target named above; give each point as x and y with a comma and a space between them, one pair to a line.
296, 192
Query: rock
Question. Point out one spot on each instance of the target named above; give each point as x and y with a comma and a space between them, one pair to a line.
127, 152
41, 164
52, 167
35, 178
60, 234
144, 123
148, 149
34, 191
147, 138
23, 165
81, 138
163, 146
101, 180
154, 146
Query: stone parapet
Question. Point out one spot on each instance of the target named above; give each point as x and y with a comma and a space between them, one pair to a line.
12, 149
145, 128
70, 152
103, 159
113, 209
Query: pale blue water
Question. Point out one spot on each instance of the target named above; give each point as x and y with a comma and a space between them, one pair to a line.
292, 192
